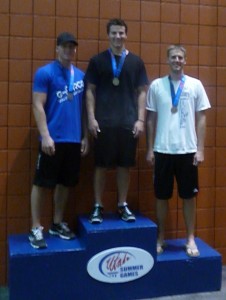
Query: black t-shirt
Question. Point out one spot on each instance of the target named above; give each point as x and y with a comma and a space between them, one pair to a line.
116, 106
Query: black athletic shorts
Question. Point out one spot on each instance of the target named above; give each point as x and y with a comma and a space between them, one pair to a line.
61, 168
115, 147
179, 165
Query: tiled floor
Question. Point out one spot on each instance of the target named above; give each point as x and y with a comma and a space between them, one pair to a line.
221, 295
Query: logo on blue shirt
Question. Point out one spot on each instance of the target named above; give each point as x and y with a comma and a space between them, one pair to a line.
78, 87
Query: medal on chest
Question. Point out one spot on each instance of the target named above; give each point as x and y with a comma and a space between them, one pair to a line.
115, 81
117, 69
174, 109
70, 93
176, 96
70, 96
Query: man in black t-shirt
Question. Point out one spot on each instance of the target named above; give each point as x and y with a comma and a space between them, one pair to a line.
115, 98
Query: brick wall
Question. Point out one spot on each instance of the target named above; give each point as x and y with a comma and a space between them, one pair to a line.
27, 38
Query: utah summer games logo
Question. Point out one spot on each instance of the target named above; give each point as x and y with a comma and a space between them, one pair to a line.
120, 264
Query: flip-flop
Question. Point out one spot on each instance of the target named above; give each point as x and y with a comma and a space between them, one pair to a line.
192, 250
160, 248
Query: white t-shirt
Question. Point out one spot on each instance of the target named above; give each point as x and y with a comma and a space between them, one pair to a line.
176, 132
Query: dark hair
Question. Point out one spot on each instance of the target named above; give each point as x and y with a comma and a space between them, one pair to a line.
178, 47
119, 22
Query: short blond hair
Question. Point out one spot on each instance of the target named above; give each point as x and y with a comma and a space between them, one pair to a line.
178, 47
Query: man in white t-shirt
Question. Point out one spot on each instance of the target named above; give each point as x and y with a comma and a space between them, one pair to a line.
176, 123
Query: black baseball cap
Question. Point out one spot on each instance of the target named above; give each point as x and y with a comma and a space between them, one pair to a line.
66, 37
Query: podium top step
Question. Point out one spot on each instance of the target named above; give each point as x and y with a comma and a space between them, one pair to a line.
112, 222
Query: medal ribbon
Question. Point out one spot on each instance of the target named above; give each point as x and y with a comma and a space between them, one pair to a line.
117, 70
71, 80
176, 97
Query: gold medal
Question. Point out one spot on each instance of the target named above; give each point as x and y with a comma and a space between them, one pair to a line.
174, 109
115, 81
70, 96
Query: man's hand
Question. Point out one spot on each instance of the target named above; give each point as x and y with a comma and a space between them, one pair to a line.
138, 128
198, 157
150, 157
93, 127
84, 146
48, 146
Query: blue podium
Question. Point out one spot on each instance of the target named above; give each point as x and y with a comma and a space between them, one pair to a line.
113, 260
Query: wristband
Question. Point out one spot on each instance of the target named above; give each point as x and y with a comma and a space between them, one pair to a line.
140, 120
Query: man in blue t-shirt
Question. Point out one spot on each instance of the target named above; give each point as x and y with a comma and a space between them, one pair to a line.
58, 109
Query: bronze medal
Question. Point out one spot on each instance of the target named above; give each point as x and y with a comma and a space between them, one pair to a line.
115, 81
70, 96
174, 109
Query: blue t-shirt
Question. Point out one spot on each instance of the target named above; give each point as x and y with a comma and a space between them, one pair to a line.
63, 115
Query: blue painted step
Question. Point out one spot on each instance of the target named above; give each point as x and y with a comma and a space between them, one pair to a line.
176, 273
60, 271
51, 273
114, 232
